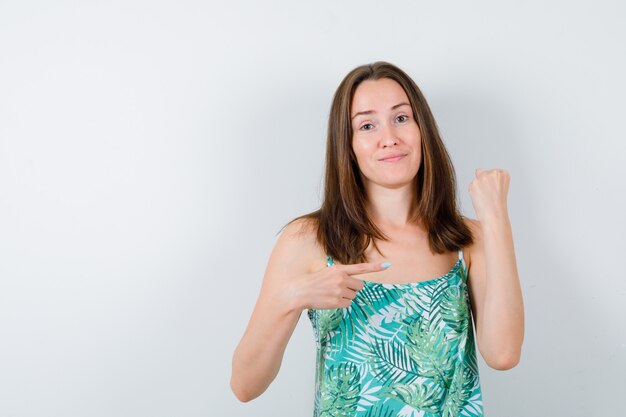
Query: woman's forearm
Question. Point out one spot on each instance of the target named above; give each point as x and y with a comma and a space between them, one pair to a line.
502, 327
259, 354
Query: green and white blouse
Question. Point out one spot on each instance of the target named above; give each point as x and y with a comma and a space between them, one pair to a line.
399, 350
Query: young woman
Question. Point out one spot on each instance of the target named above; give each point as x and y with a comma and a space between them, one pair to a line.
392, 318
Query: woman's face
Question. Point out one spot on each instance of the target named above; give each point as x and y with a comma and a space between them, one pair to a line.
386, 138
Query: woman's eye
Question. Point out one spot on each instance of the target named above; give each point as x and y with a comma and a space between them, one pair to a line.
367, 126
402, 118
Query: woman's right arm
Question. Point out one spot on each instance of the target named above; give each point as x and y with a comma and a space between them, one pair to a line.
292, 283
258, 356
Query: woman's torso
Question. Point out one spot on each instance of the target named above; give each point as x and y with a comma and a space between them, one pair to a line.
405, 346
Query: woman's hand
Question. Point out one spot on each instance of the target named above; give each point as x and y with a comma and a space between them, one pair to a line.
489, 193
330, 287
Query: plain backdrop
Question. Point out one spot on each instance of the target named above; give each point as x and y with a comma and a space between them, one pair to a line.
150, 151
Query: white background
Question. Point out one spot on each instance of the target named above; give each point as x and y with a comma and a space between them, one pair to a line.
150, 152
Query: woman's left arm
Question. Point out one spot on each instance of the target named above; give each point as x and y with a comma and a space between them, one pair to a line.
494, 286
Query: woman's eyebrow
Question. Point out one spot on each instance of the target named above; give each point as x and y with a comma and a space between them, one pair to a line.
372, 111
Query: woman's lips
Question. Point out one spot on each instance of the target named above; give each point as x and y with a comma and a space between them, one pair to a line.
393, 159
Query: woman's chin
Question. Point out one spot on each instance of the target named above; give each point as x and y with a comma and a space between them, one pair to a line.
394, 184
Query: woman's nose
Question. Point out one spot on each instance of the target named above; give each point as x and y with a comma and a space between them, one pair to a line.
388, 137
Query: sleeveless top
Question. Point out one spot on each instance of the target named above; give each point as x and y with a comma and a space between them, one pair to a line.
399, 350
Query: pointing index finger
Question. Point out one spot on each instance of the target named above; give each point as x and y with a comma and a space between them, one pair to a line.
362, 268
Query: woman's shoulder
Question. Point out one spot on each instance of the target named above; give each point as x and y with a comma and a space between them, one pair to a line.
301, 227
300, 231
299, 241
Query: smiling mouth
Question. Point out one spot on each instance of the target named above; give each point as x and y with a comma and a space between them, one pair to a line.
393, 159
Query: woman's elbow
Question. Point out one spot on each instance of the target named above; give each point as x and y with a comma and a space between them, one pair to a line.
503, 362
240, 392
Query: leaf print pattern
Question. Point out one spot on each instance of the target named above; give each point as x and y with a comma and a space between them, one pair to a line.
424, 396
454, 311
429, 347
340, 394
399, 350
391, 362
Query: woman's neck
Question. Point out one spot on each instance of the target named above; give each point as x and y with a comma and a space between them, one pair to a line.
390, 207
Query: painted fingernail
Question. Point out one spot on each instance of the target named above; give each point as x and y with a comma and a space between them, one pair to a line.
385, 265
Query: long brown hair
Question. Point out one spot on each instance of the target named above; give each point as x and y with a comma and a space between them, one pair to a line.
344, 228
